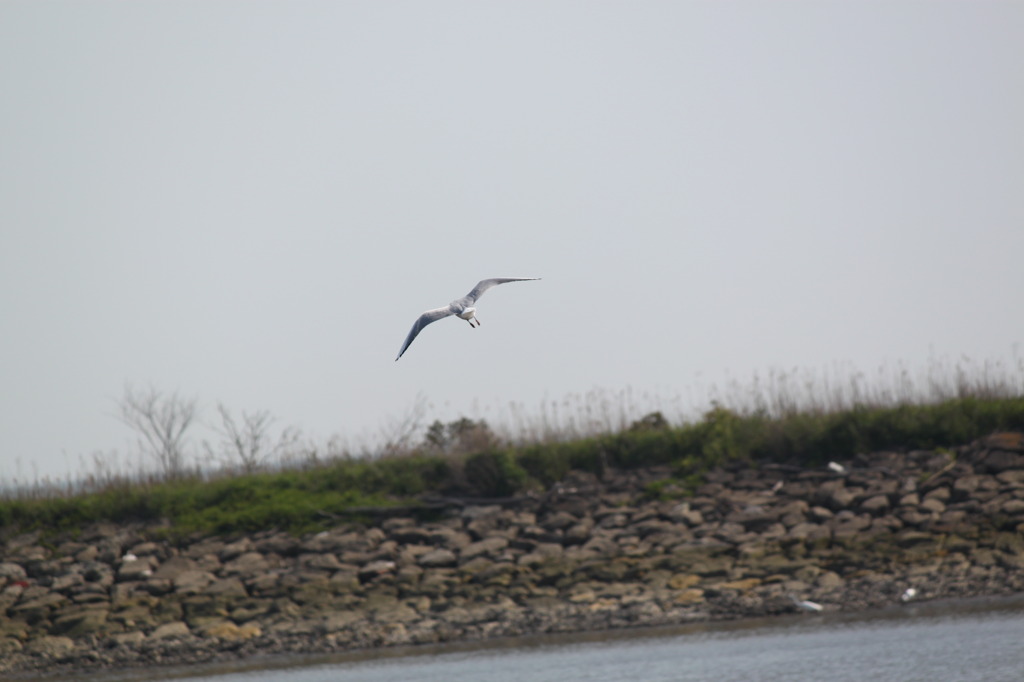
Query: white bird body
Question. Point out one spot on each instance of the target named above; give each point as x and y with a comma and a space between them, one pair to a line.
460, 307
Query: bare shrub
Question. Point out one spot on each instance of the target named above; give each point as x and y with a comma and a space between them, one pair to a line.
251, 444
397, 435
162, 421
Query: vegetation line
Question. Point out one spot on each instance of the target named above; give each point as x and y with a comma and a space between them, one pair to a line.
464, 458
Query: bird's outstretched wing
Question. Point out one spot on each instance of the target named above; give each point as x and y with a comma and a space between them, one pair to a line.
422, 321
485, 284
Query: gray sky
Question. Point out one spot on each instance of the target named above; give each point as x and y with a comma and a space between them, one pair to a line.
251, 202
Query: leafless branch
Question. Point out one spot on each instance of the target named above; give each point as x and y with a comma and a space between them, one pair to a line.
251, 443
162, 422
398, 433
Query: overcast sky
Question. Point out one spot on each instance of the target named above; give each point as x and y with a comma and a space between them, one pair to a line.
251, 202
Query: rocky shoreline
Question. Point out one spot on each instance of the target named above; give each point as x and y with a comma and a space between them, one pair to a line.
588, 554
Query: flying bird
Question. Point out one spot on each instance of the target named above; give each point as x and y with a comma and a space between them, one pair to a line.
463, 307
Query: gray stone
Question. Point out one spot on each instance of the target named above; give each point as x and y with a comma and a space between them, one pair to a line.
64, 583
192, 582
559, 520
88, 553
1014, 507
147, 549
12, 571
820, 514
128, 639
579, 533
318, 562
793, 513
731, 532
909, 538
1013, 478
79, 622
209, 546
542, 552
171, 630
173, 567
394, 612
375, 569
281, 544
334, 622
438, 558
487, 547
99, 573
413, 535
263, 583
912, 517
808, 531
450, 538
754, 521
249, 564
158, 586
34, 610
235, 549
683, 513
1000, 460
9, 645
941, 493
50, 646
89, 592
538, 534
226, 587
953, 517
30, 553
965, 486
875, 505
829, 580
410, 554
910, 500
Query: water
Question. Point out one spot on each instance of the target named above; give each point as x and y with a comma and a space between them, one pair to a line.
961, 642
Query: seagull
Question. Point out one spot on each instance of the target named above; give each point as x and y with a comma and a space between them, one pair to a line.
909, 594
463, 307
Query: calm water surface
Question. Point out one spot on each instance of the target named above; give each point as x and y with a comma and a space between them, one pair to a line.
954, 642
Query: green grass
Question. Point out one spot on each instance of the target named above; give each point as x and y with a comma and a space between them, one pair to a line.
317, 496
294, 500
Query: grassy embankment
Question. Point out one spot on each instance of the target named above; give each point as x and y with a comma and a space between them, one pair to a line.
310, 497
